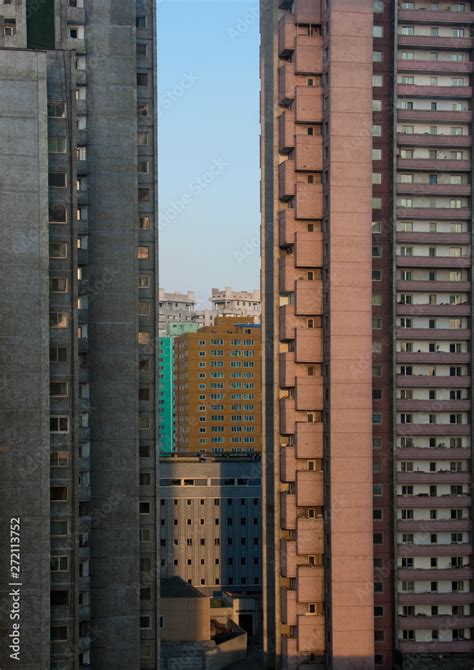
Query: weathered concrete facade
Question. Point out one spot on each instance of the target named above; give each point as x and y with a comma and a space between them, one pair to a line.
81, 121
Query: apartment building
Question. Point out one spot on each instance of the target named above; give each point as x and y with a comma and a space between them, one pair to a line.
79, 250
175, 307
366, 140
217, 388
166, 402
210, 523
229, 302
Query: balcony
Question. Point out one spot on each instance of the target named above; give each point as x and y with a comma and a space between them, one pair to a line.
310, 584
435, 17
447, 525
309, 54
288, 607
434, 213
311, 634
309, 488
427, 406
434, 189
432, 140
287, 464
433, 238
287, 225
308, 11
288, 322
309, 201
435, 647
286, 35
435, 67
441, 454
287, 416
309, 393
433, 261
309, 104
436, 622
426, 549
288, 273
309, 345
287, 370
288, 511
432, 92
433, 286
426, 381
309, 153
433, 477
289, 646
428, 42
309, 440
434, 310
286, 132
309, 297
433, 429
286, 174
288, 558
430, 502
287, 83
309, 250
433, 165
435, 599
433, 358
309, 536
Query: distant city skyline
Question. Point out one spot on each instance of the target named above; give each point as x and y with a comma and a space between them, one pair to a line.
208, 102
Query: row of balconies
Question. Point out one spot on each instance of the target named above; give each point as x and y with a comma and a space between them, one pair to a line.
427, 405
294, 327
434, 189
432, 164
310, 638
432, 502
434, 574
433, 286
433, 478
434, 67
433, 238
427, 334
434, 310
307, 244
431, 429
308, 149
445, 525
433, 261
433, 116
433, 453
419, 91
434, 647
435, 17
292, 85
432, 140
436, 42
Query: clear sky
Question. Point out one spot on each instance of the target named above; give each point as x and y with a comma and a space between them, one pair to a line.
208, 125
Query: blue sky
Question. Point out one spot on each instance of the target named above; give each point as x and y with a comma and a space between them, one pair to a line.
208, 102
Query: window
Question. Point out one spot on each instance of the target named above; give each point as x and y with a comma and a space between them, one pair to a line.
377, 56
58, 284
57, 180
57, 145
142, 109
142, 79
58, 494
377, 31
142, 50
59, 633
143, 253
58, 319
56, 110
57, 214
144, 222
58, 389
377, 80
142, 138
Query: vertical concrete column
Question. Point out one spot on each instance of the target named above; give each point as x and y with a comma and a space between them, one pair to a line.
350, 404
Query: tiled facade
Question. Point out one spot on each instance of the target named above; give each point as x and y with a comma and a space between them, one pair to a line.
80, 252
217, 388
420, 103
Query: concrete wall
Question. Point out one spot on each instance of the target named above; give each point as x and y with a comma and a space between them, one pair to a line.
185, 619
24, 351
